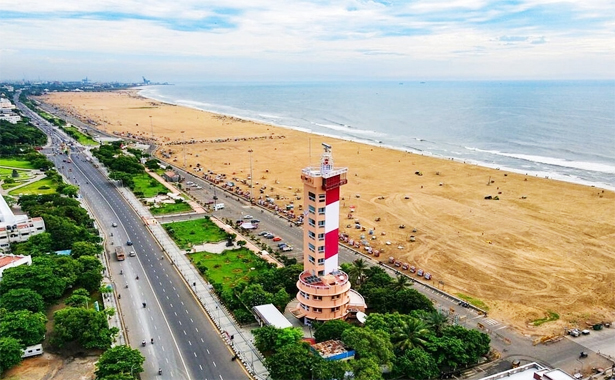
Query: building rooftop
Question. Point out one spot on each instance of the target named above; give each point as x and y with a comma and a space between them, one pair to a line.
9, 259
531, 371
272, 316
315, 171
330, 348
332, 279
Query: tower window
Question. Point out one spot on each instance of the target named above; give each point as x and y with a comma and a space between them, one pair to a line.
312, 222
312, 209
321, 197
321, 224
321, 236
321, 261
312, 196
312, 235
321, 210
311, 259
311, 247
321, 249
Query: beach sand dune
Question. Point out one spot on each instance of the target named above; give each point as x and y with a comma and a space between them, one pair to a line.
544, 246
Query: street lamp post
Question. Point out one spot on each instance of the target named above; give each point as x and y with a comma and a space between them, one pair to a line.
251, 177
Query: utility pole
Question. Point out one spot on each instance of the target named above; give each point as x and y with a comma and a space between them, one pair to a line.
184, 144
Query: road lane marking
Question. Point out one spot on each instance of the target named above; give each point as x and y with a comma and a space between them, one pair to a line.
207, 350
214, 363
190, 343
201, 367
195, 355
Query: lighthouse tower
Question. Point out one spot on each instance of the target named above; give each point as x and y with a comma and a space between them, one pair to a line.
323, 288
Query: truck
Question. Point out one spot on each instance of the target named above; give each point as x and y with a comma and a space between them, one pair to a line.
119, 253
218, 206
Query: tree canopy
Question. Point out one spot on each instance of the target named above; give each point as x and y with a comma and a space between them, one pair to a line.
22, 299
119, 361
86, 327
10, 353
25, 326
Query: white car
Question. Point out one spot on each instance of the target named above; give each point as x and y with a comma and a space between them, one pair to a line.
248, 217
132, 254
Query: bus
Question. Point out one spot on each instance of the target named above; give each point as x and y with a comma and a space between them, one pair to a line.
119, 253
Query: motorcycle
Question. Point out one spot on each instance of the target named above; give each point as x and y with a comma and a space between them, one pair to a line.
583, 355
160, 371
145, 305
143, 343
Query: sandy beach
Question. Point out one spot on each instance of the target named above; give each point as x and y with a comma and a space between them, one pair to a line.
545, 245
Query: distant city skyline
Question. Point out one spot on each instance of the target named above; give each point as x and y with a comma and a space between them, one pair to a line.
196, 40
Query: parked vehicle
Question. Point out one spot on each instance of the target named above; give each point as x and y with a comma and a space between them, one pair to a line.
419, 272
218, 206
263, 233
277, 238
412, 269
30, 351
427, 276
287, 248
248, 217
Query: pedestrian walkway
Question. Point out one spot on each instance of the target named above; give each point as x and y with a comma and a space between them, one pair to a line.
240, 340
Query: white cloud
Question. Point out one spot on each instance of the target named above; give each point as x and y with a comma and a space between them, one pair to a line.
283, 37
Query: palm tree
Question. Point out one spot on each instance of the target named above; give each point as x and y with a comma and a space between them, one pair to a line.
357, 272
436, 322
410, 334
401, 283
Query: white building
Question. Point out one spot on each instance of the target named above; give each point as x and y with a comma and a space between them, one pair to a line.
10, 117
16, 228
11, 261
6, 104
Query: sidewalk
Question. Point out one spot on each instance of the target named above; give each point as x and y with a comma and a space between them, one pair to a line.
240, 340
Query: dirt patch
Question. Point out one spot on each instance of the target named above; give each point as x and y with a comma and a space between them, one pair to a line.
49, 366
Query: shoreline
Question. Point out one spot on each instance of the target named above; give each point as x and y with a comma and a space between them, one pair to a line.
546, 245
550, 175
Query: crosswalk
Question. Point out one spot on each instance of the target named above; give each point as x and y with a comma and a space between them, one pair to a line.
490, 322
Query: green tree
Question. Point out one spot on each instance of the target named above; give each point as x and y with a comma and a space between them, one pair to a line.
87, 327
401, 282
448, 352
84, 248
254, 295
10, 353
368, 343
280, 299
291, 362
417, 364
91, 276
271, 339
152, 164
119, 360
410, 334
25, 326
476, 343
70, 191
79, 298
331, 330
38, 278
366, 369
436, 322
386, 322
22, 299
357, 271
63, 266
411, 299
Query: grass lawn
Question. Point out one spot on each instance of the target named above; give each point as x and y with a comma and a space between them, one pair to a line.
474, 301
35, 188
171, 208
82, 138
147, 185
192, 232
8, 173
229, 267
16, 163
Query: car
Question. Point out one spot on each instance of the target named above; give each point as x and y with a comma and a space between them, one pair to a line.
128, 242
287, 248
255, 221
269, 236
132, 254
248, 217
427, 276
585, 332
277, 238
281, 245
412, 269
263, 233
113, 224
419, 272
574, 332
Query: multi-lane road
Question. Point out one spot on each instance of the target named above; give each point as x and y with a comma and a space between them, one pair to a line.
155, 302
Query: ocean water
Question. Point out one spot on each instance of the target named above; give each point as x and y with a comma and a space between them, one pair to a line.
561, 129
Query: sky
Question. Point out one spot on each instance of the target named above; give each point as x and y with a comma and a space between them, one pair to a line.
291, 40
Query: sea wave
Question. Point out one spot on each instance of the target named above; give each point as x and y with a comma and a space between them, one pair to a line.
581, 165
348, 129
